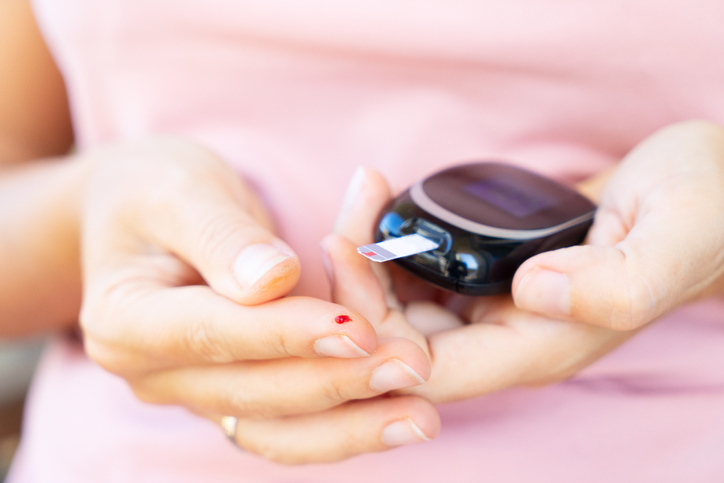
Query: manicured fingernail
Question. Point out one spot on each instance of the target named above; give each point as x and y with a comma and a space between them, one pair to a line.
394, 374
402, 432
255, 261
338, 346
354, 189
545, 291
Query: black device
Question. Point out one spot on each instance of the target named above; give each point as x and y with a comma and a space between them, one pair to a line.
482, 221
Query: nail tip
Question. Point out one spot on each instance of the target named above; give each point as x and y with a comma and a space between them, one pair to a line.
416, 429
392, 375
355, 347
403, 432
410, 372
255, 262
339, 346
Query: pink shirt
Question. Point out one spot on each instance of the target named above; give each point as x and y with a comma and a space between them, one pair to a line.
295, 95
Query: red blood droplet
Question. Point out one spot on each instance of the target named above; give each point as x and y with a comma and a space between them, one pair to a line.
343, 319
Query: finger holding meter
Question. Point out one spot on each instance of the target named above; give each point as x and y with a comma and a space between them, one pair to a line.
468, 228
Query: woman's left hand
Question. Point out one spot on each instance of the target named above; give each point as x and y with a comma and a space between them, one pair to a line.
658, 226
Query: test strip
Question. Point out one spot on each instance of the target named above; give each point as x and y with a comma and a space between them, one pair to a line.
404, 246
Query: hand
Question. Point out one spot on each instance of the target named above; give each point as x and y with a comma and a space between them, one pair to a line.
182, 283
476, 345
657, 241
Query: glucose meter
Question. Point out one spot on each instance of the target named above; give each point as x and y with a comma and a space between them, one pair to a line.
468, 228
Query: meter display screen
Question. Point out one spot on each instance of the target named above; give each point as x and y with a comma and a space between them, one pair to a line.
504, 194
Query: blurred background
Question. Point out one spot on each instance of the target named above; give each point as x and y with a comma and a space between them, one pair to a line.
18, 359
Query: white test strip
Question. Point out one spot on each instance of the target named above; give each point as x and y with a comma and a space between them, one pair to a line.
404, 246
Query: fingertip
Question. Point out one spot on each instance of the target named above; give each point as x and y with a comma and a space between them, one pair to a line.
342, 252
357, 329
366, 195
340, 346
352, 336
366, 184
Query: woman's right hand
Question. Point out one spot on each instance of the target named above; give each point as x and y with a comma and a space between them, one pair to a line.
183, 286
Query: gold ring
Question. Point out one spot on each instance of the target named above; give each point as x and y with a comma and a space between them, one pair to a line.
228, 424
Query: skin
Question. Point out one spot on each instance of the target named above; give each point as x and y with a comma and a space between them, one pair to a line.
39, 246
170, 302
658, 229
162, 305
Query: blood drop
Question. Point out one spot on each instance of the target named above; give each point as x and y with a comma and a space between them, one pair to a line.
343, 319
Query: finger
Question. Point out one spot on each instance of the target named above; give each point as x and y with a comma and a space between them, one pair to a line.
288, 386
354, 428
355, 286
191, 204
656, 243
191, 325
506, 347
366, 196
430, 318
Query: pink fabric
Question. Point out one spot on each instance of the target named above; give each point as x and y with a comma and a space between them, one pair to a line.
297, 94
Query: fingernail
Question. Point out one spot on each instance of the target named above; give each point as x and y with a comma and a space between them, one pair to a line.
402, 432
394, 374
338, 346
354, 189
255, 261
546, 292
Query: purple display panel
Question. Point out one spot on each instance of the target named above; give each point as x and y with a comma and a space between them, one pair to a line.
500, 192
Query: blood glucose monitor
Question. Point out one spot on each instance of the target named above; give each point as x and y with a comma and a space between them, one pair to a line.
468, 228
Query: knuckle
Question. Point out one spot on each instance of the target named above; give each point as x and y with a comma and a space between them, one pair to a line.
110, 359
282, 346
202, 340
95, 315
215, 232
103, 313
632, 306
91, 323
241, 403
334, 393
107, 301
98, 353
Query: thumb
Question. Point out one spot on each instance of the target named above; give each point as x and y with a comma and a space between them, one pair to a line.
627, 278
591, 284
190, 204
656, 241
238, 256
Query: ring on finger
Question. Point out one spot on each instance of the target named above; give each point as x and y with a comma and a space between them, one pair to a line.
228, 425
